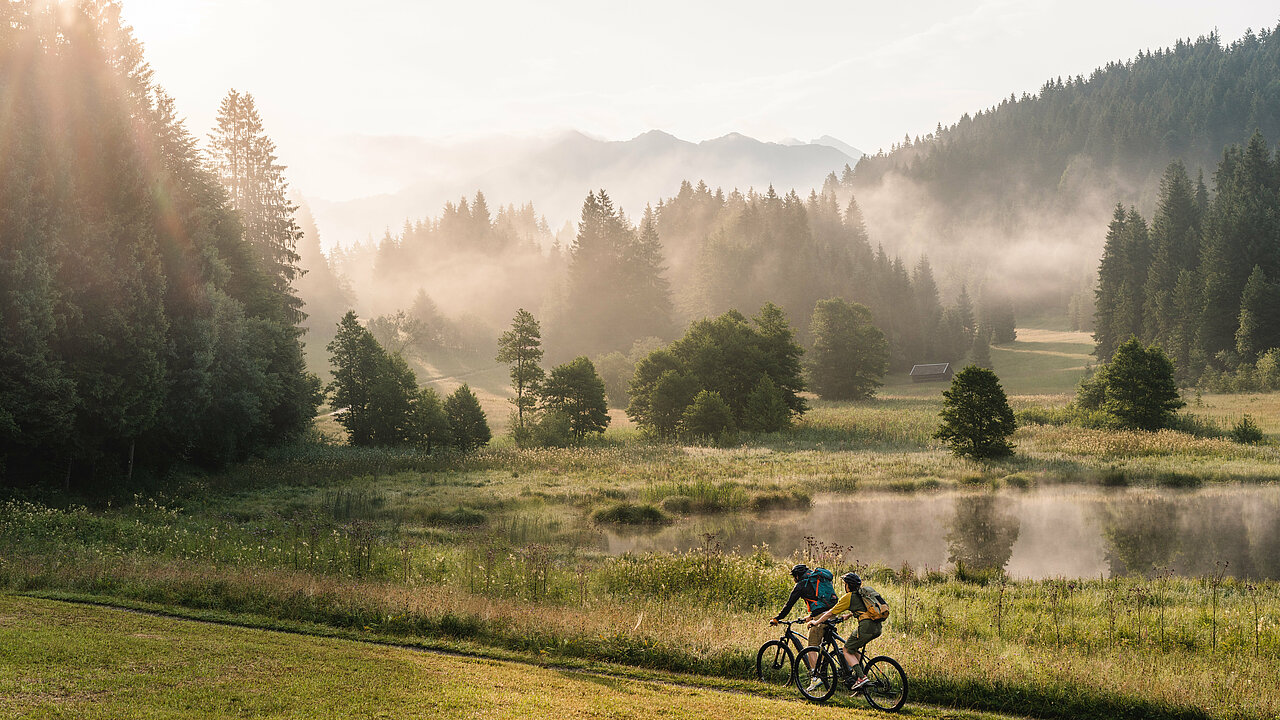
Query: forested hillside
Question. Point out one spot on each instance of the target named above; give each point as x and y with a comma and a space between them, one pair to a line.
1201, 278
145, 296
617, 282
1034, 176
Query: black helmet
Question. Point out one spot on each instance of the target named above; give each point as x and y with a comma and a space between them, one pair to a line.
851, 579
799, 570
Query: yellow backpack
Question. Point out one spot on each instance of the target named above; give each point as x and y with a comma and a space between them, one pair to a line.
877, 608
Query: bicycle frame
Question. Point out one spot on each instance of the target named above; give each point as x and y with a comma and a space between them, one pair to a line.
798, 640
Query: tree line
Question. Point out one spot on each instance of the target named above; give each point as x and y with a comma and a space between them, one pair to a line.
1185, 102
148, 308
1202, 279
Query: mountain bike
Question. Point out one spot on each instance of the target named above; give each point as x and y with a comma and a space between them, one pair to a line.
886, 688
775, 661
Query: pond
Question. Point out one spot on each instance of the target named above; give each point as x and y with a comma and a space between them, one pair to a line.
1055, 532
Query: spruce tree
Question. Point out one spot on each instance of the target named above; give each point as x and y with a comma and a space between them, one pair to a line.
521, 348
1259, 326
1175, 246
1138, 386
246, 162
468, 425
976, 418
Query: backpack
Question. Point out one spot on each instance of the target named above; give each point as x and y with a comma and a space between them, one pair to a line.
818, 584
877, 608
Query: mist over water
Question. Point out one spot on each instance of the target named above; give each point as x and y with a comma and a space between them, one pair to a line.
1079, 532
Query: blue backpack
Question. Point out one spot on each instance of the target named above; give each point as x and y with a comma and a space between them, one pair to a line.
818, 590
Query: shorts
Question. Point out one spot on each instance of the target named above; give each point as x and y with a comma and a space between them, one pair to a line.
868, 630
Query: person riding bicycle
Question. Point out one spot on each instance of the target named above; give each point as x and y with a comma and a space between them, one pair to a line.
866, 604
815, 587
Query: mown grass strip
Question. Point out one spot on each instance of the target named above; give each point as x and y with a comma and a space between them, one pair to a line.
230, 671
721, 671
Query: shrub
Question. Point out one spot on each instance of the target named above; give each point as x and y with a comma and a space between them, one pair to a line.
682, 504
780, 500
1247, 432
1020, 481
1178, 480
627, 513
708, 418
1114, 478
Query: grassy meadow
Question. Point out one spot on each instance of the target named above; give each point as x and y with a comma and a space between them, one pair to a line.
85, 662
499, 552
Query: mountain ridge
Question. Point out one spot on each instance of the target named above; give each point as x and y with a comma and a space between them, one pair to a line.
556, 173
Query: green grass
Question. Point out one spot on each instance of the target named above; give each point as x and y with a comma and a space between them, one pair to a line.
84, 662
497, 551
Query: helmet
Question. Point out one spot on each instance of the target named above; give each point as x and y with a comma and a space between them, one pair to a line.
851, 579
799, 570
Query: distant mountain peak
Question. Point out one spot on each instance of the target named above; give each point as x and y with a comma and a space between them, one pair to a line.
555, 173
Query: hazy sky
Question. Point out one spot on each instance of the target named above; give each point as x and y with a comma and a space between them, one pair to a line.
864, 72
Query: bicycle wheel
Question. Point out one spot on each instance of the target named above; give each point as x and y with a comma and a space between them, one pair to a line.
887, 689
815, 674
775, 664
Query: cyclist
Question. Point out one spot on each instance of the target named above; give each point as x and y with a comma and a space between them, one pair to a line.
870, 623
815, 587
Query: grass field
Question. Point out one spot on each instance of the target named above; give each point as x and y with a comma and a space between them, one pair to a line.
85, 662
499, 551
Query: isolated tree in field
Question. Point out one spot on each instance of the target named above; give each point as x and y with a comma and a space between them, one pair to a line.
521, 348
575, 390
1138, 386
976, 418
850, 354
467, 422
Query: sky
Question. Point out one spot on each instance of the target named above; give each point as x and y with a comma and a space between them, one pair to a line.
864, 72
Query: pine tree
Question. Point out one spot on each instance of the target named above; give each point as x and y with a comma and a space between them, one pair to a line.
1259, 326
468, 425
521, 348
980, 355
1175, 246
246, 162
976, 418
649, 292
1138, 386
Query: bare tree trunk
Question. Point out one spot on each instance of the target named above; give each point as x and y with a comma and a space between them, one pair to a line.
132, 445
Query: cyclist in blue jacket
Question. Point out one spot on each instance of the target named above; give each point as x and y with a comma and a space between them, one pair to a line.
817, 589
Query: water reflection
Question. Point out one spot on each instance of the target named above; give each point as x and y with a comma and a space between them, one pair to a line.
1071, 532
982, 532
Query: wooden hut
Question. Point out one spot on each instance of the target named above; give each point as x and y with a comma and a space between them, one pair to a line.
932, 372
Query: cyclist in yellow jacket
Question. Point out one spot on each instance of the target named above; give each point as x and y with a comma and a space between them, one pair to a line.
867, 606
